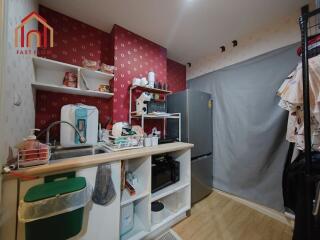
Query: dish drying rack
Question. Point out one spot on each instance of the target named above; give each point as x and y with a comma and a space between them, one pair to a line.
33, 157
123, 142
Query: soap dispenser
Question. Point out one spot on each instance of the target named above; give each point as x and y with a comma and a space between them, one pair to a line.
31, 142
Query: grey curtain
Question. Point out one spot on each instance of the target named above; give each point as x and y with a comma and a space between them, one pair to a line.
248, 126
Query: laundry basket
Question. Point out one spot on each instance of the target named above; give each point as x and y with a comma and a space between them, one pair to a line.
54, 210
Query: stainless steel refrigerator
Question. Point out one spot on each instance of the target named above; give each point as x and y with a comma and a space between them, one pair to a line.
196, 127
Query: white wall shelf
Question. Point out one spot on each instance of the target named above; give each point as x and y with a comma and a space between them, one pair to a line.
49, 76
96, 74
53, 65
70, 90
157, 116
150, 90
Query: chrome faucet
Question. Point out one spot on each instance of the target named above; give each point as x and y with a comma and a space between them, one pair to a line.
47, 130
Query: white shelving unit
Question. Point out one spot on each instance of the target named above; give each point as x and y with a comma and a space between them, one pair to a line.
141, 169
168, 190
176, 198
141, 224
143, 117
168, 216
49, 76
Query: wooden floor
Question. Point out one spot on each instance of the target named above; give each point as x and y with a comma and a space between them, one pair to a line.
219, 218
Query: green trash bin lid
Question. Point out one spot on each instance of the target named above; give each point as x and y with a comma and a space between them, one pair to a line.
52, 189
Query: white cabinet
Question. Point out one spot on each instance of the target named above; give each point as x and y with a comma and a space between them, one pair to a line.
102, 222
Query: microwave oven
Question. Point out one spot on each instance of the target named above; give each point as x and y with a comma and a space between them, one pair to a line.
165, 171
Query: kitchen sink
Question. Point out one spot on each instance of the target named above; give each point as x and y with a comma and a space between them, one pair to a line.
62, 153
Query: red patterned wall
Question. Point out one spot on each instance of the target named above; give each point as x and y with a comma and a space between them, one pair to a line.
176, 76
134, 56
74, 40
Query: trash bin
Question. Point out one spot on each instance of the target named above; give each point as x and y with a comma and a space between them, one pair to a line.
54, 210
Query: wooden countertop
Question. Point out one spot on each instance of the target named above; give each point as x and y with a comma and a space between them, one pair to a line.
94, 160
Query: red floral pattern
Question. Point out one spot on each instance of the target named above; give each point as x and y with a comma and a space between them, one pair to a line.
134, 57
74, 40
176, 76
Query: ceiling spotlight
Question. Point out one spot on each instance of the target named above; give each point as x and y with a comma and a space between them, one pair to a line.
223, 48
235, 43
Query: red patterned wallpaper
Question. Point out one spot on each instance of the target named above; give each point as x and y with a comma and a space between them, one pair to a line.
74, 40
176, 76
134, 56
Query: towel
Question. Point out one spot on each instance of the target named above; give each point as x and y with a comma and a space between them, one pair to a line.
104, 192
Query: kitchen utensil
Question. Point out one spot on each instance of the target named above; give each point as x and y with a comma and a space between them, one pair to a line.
118, 127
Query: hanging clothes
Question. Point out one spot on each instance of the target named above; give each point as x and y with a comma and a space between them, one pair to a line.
291, 93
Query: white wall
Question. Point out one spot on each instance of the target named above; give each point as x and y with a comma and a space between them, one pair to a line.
278, 34
2, 75
18, 75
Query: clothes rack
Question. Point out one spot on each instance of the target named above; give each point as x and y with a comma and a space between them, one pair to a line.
310, 27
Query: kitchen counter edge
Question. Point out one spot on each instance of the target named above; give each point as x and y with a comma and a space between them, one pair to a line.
94, 160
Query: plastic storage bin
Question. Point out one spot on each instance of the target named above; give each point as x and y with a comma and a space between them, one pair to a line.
54, 210
127, 218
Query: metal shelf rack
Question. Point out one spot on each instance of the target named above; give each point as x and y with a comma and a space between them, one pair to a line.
143, 117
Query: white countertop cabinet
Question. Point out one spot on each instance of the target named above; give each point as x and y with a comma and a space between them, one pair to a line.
103, 222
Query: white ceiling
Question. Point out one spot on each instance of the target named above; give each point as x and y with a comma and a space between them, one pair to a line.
189, 29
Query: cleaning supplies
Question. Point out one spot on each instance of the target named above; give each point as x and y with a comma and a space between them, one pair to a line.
31, 152
31, 141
